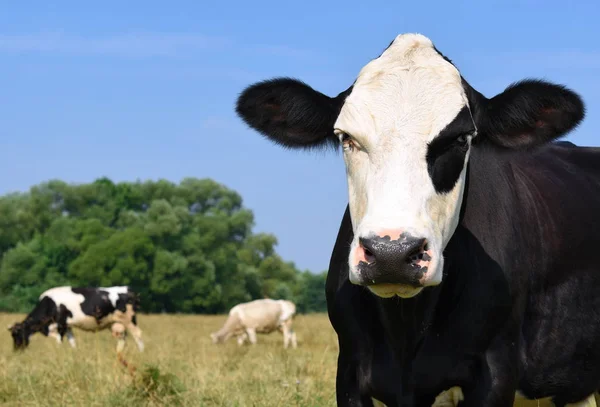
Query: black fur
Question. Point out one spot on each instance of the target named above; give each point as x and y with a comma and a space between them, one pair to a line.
290, 113
564, 143
42, 315
529, 113
63, 314
518, 305
446, 153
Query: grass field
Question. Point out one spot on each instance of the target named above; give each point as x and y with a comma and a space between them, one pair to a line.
179, 367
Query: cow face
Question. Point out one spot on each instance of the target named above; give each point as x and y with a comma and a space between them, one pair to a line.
407, 127
20, 335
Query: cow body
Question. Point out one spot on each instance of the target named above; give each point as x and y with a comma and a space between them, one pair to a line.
259, 316
90, 309
466, 256
499, 318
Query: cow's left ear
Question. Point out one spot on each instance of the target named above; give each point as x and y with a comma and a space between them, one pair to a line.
530, 113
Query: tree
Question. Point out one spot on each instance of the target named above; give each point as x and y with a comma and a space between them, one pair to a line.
184, 247
311, 296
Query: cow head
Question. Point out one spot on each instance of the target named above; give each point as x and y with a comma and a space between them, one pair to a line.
407, 127
217, 337
20, 334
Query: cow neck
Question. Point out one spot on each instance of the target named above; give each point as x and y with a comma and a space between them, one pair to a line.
500, 209
407, 320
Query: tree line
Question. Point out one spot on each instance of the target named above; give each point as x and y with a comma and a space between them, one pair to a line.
185, 248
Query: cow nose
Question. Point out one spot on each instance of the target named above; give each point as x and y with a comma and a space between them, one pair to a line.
399, 261
399, 251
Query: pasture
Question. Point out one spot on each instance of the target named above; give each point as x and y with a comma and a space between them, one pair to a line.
179, 367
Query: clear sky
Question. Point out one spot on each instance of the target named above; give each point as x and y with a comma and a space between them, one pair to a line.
146, 89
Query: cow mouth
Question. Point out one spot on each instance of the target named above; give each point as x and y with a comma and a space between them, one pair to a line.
394, 290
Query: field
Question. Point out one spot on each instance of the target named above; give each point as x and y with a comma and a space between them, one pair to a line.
179, 367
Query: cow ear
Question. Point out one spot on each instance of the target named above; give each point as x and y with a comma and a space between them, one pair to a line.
289, 112
530, 113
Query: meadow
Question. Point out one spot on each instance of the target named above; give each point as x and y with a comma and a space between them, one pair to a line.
179, 367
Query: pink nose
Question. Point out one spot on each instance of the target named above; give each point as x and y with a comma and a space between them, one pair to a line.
363, 255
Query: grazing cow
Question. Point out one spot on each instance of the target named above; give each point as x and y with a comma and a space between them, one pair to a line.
467, 255
259, 316
90, 309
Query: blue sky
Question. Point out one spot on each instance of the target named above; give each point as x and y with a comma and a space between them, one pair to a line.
145, 90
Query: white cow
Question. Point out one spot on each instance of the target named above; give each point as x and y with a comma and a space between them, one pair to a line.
259, 316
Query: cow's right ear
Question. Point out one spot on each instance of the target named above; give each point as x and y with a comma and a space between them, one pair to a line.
289, 112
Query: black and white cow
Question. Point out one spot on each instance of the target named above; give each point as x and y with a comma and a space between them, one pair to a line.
468, 253
90, 309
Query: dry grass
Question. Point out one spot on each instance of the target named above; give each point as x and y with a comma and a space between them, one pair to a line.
179, 367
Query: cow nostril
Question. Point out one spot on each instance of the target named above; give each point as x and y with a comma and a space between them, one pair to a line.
367, 250
417, 253
414, 257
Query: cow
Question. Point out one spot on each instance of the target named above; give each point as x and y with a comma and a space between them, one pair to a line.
262, 316
60, 309
466, 257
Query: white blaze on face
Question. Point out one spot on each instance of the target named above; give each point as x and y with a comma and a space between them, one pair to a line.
399, 103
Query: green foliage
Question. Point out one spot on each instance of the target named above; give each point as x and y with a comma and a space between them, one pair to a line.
311, 297
184, 247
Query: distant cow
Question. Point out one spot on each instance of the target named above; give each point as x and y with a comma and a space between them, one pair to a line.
90, 309
260, 316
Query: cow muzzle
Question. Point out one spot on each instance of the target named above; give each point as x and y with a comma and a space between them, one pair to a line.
391, 263
20, 345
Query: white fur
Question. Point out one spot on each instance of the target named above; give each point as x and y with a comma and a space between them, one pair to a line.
399, 103
53, 332
247, 319
71, 338
113, 293
288, 310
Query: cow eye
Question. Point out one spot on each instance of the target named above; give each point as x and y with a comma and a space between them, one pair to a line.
347, 142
